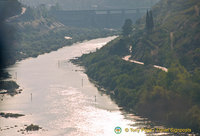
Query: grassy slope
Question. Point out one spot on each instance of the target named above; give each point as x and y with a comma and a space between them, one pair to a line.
171, 98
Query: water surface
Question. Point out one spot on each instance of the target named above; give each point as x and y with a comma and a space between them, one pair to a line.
58, 97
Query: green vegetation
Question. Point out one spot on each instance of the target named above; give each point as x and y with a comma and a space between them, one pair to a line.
10, 115
9, 87
33, 42
127, 27
149, 22
32, 128
37, 33
32, 34
171, 98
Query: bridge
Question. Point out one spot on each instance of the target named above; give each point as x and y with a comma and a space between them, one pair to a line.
109, 18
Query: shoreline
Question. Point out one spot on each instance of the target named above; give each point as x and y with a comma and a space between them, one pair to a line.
105, 89
7, 79
111, 95
153, 122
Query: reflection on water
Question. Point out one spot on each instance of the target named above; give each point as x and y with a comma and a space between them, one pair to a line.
58, 97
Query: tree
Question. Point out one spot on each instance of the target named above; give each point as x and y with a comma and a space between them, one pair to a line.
149, 22
127, 27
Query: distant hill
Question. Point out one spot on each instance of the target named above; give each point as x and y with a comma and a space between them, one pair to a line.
37, 32
31, 32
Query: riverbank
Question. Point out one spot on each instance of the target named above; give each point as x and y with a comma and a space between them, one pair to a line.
58, 97
140, 88
168, 93
7, 87
30, 34
37, 43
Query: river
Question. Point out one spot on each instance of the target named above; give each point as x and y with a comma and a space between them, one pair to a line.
58, 97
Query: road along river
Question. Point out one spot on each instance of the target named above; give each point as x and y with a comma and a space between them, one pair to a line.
58, 97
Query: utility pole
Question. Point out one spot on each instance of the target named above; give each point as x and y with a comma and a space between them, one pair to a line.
82, 82
16, 75
58, 63
31, 97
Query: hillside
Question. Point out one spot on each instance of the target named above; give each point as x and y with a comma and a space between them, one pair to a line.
175, 37
33, 33
7, 9
37, 32
170, 98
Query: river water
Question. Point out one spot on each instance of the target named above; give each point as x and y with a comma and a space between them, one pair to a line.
58, 97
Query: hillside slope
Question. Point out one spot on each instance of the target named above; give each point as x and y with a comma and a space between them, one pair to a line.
33, 33
37, 32
8, 9
171, 98
176, 35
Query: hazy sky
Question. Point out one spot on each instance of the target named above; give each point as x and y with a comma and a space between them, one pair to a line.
92, 4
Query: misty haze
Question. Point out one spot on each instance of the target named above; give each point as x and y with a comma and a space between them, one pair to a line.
99, 67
